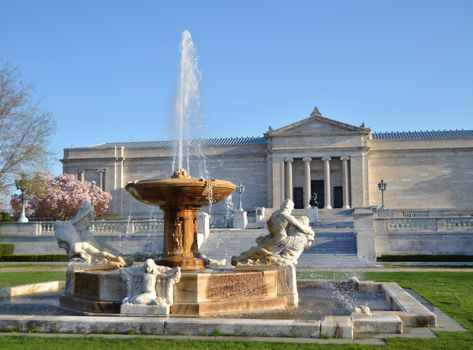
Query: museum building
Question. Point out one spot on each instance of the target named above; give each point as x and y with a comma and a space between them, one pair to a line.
339, 162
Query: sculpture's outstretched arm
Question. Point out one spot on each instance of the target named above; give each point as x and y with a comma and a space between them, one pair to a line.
293, 221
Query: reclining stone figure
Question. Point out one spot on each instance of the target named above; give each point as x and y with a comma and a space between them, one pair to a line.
286, 233
80, 244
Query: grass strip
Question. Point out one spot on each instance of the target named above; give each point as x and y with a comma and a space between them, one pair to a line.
10, 279
426, 258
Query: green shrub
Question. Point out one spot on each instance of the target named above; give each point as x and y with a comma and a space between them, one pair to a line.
35, 258
6, 249
5, 217
426, 258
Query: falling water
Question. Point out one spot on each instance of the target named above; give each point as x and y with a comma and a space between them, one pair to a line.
188, 115
229, 211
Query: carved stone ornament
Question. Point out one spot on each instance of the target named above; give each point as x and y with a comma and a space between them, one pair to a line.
149, 288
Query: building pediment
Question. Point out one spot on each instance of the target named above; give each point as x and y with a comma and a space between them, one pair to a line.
316, 124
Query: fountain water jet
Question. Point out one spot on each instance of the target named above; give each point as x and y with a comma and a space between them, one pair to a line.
187, 114
181, 196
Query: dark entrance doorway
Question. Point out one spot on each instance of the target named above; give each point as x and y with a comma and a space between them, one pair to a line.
317, 186
337, 196
298, 195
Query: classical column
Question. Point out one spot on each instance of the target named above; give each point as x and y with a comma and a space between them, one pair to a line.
328, 197
346, 192
289, 178
307, 181
81, 175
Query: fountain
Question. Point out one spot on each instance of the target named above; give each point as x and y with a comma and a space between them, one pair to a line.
262, 283
180, 197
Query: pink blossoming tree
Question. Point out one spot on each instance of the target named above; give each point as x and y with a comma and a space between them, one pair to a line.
60, 197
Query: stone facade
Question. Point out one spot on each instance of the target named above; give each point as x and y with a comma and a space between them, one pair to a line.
342, 163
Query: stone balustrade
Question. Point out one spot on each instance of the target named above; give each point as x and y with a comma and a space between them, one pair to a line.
413, 224
423, 213
100, 227
404, 232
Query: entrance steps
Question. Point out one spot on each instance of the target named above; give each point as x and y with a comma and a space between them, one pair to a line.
331, 261
334, 246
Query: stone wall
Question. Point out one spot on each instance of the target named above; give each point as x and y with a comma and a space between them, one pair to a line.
428, 232
424, 235
236, 163
422, 174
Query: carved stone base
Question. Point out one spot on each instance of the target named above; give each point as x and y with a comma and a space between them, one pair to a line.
197, 293
210, 293
287, 282
144, 310
239, 305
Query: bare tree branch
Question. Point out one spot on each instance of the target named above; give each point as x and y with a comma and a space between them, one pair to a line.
25, 130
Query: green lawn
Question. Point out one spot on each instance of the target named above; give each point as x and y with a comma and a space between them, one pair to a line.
451, 291
8, 279
44, 266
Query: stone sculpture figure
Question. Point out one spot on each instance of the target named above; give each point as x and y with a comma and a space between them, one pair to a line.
290, 235
149, 288
80, 244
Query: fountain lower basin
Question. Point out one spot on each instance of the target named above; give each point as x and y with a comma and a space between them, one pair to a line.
398, 310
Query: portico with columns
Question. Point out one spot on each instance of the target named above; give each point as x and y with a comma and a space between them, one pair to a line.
318, 156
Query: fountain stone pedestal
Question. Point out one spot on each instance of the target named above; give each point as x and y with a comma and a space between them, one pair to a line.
180, 247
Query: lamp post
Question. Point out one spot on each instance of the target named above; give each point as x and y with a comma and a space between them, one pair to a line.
241, 189
22, 185
92, 226
382, 187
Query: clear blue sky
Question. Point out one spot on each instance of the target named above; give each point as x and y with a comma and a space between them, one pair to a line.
108, 69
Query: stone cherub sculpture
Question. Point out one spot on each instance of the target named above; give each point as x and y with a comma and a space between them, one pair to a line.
286, 233
149, 288
80, 244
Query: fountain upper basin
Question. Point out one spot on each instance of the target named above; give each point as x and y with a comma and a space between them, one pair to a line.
180, 192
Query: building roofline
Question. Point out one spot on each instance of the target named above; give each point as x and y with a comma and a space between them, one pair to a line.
421, 135
261, 140
210, 142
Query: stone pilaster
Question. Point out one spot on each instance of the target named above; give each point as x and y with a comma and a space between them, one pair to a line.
278, 185
328, 196
359, 180
101, 179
